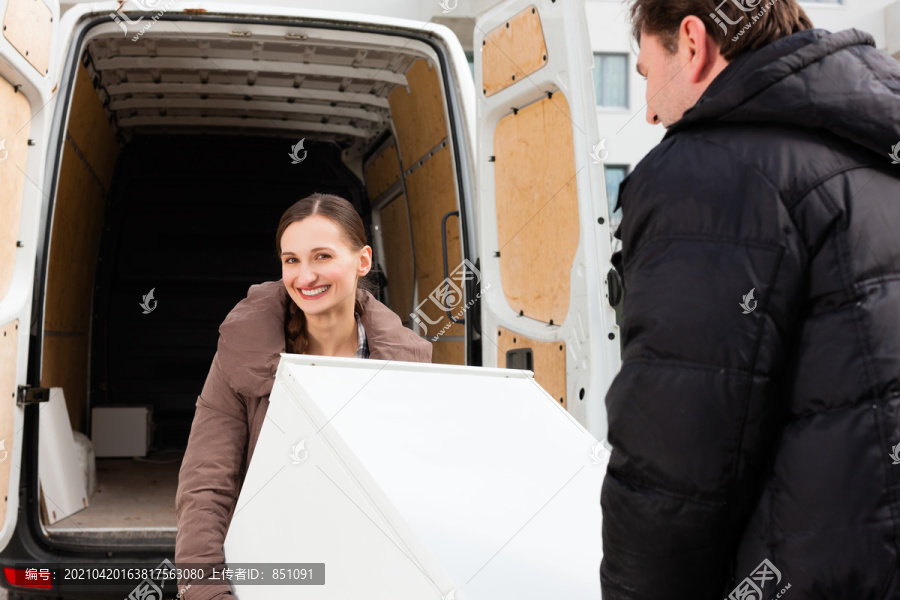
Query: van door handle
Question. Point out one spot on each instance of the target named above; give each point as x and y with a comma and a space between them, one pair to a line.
520, 358
446, 281
616, 289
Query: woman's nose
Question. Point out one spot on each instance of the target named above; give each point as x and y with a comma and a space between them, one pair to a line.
306, 275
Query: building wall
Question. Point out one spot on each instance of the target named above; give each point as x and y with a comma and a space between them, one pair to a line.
629, 135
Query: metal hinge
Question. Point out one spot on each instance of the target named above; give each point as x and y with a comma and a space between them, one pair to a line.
32, 395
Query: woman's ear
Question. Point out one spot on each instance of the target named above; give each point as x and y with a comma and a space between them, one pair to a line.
365, 261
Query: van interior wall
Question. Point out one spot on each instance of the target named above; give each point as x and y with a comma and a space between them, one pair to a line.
411, 185
192, 218
89, 156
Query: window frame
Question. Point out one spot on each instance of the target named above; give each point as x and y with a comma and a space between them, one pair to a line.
598, 67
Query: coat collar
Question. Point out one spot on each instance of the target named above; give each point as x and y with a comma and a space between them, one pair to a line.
251, 338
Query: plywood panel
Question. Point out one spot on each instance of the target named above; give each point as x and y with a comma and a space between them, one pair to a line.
383, 172
28, 26
65, 365
8, 343
448, 353
512, 51
90, 130
537, 208
77, 222
418, 115
70, 280
15, 126
89, 159
549, 360
398, 256
431, 190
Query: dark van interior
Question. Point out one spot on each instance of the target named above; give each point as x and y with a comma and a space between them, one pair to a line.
175, 170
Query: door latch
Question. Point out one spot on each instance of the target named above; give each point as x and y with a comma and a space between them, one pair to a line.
32, 395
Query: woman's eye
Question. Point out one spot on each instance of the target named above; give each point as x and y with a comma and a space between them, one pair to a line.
288, 260
326, 255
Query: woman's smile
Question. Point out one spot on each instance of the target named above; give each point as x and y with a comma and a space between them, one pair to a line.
313, 293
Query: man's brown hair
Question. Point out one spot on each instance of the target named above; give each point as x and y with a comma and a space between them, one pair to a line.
729, 21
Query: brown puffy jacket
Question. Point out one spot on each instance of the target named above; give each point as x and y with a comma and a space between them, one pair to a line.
231, 410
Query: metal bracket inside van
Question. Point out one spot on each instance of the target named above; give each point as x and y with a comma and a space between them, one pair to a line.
32, 395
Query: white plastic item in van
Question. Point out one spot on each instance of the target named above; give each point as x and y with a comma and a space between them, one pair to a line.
87, 460
59, 472
412, 481
121, 430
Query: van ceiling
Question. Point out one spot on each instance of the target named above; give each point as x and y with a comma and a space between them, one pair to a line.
169, 83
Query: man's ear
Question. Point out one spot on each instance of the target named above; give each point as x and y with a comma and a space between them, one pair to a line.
701, 49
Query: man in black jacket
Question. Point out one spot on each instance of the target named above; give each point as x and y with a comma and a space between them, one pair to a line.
755, 423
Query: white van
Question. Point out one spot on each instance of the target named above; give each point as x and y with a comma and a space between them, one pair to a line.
147, 151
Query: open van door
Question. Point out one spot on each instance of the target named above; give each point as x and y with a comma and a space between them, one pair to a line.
543, 222
26, 88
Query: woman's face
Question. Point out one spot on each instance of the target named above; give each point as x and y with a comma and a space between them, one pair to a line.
319, 270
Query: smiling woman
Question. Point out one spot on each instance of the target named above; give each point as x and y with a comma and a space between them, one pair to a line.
322, 305
321, 242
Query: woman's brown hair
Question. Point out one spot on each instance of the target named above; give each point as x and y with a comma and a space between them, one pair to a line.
730, 21
342, 213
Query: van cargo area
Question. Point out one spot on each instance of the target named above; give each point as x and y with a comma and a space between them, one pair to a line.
183, 147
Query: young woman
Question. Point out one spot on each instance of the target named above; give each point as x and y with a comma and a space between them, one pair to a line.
320, 306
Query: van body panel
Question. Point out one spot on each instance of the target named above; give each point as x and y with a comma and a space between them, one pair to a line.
81, 150
72, 143
542, 218
26, 88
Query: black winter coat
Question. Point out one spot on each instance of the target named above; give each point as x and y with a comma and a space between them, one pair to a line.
751, 429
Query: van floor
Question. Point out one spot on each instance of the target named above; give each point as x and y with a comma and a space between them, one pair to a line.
132, 497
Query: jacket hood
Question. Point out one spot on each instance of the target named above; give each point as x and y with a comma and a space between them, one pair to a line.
838, 82
251, 338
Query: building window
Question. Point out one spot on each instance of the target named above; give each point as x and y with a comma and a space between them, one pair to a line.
614, 176
611, 80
